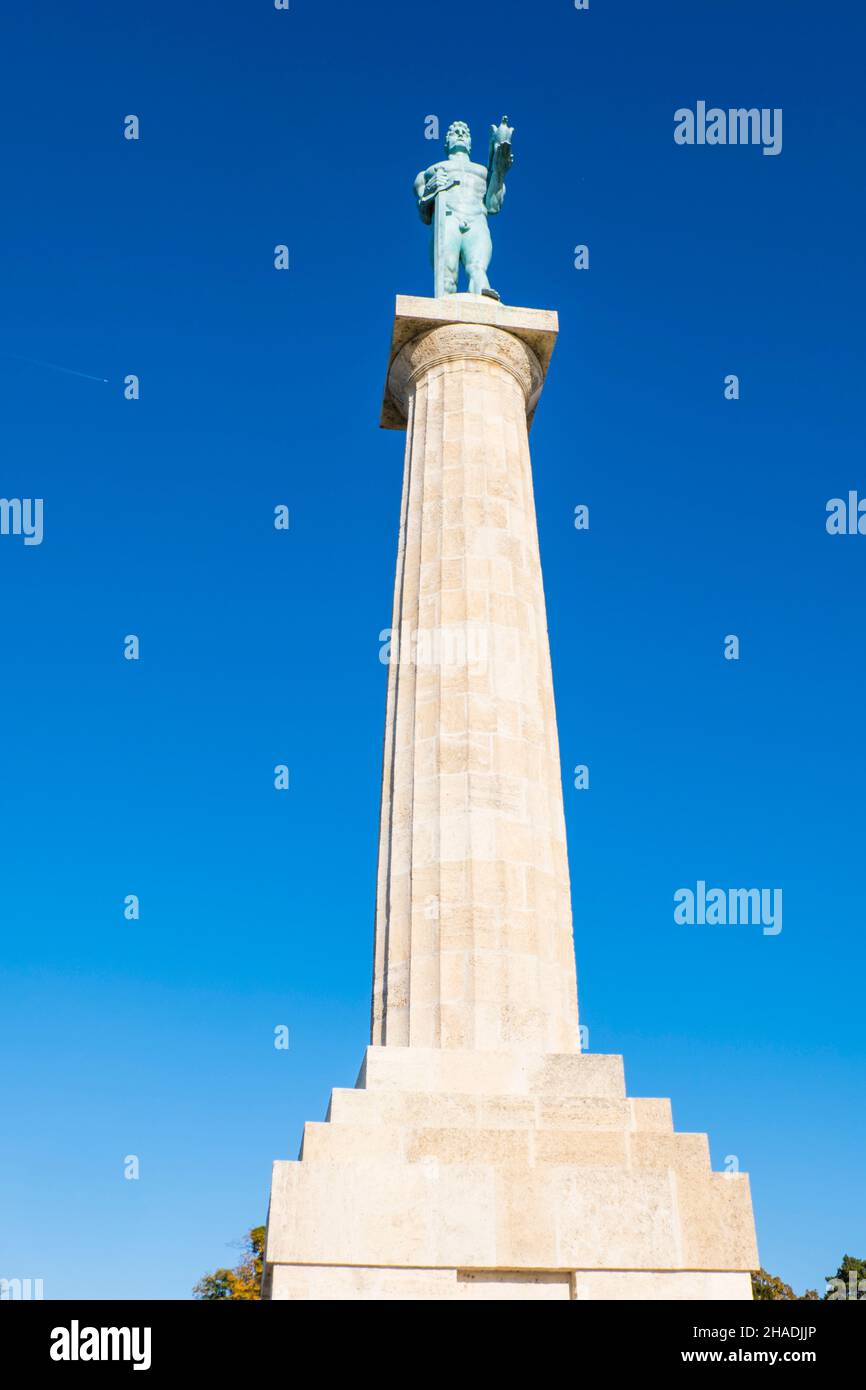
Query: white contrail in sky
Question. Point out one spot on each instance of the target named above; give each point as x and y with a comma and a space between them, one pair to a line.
55, 368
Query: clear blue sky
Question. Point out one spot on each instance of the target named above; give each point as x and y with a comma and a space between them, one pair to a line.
258, 387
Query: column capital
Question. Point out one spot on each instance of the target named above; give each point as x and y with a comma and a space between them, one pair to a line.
521, 340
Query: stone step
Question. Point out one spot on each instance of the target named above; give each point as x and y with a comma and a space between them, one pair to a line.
527, 1147
444, 1109
510, 1216
542, 1075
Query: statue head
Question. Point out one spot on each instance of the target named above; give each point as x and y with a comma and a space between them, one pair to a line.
457, 137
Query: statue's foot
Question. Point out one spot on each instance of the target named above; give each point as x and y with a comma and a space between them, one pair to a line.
492, 294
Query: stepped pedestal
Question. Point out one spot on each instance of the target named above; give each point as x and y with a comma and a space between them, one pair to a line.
449, 1174
481, 1155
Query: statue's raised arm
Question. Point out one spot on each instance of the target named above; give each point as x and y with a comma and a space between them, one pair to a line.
499, 161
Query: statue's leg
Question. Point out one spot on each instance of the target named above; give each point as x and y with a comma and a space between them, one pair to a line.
477, 251
452, 252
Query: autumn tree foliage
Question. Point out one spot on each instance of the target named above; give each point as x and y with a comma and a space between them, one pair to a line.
242, 1282
767, 1286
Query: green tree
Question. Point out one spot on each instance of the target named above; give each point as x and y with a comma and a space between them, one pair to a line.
848, 1267
242, 1282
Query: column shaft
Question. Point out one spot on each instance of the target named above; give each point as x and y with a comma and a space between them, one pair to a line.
473, 945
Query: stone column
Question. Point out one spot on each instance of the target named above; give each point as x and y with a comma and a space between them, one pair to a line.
473, 941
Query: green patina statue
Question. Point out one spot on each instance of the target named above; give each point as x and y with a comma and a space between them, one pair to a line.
456, 196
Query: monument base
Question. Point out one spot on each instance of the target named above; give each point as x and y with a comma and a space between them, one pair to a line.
350, 1283
503, 1175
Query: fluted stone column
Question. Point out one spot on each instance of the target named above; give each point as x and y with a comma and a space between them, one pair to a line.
473, 944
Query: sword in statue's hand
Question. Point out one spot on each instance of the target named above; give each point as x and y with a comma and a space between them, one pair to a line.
439, 184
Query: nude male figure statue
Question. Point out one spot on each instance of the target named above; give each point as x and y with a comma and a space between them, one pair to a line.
457, 196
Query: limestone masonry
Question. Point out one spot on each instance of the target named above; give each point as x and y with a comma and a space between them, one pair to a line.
481, 1155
